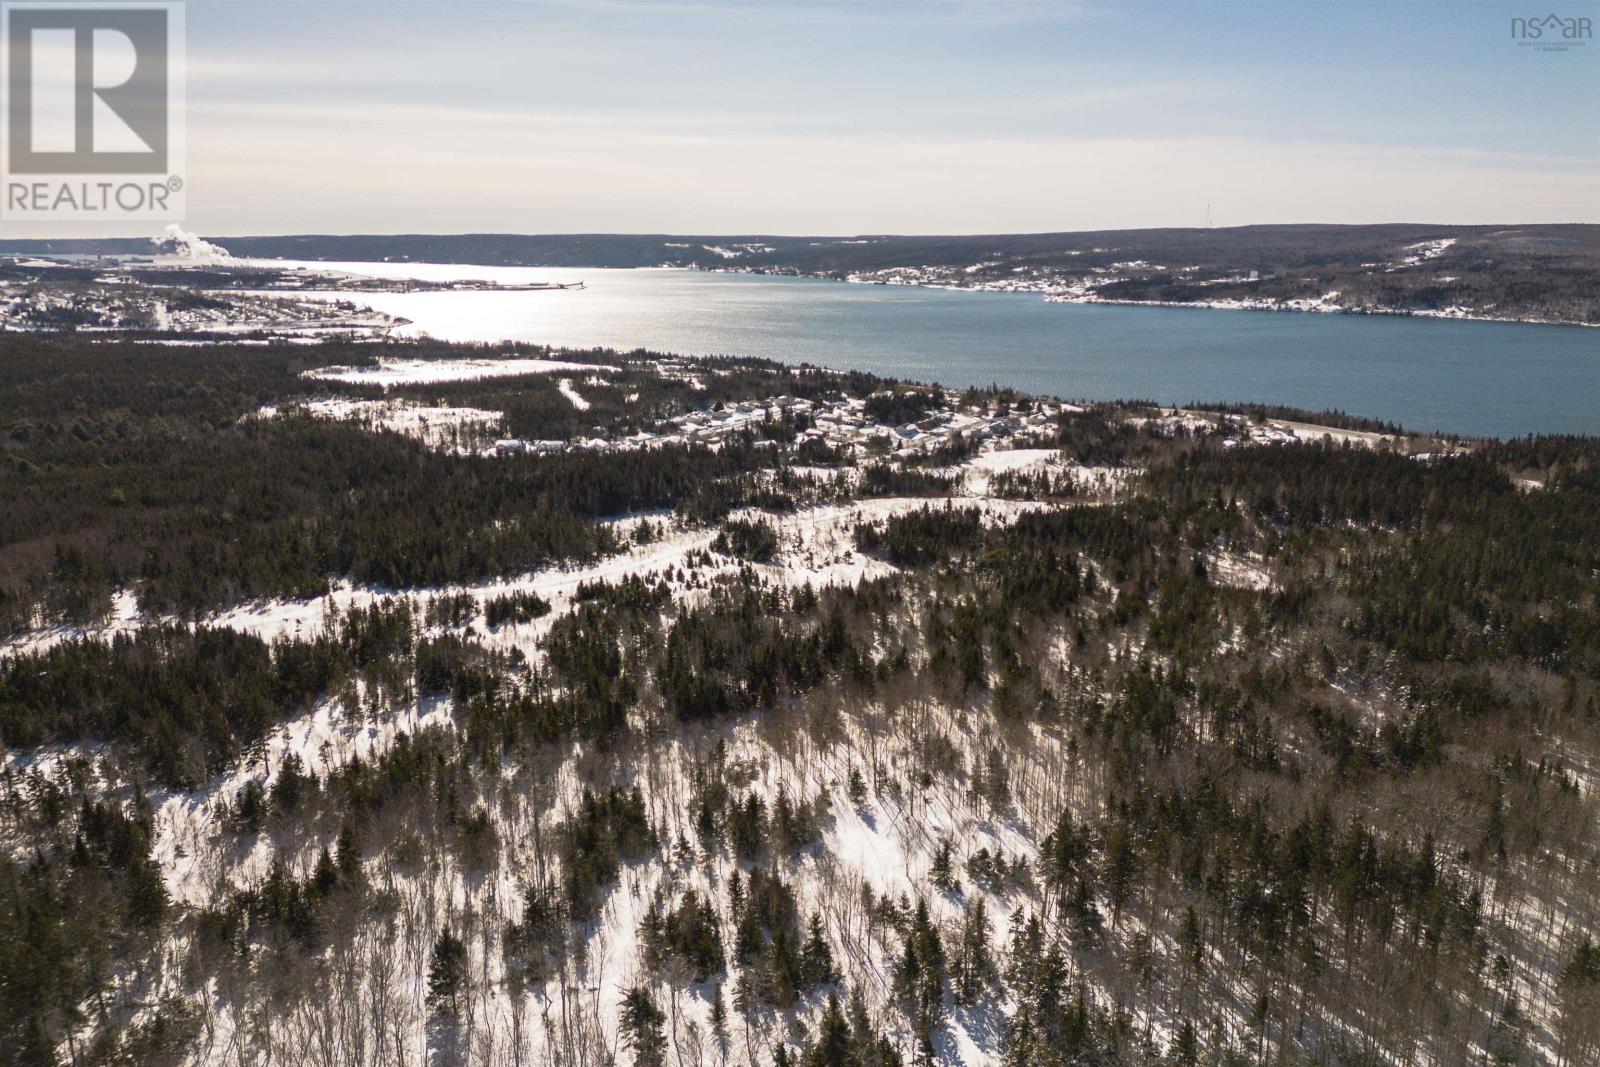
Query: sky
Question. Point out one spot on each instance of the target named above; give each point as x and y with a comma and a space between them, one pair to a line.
876, 116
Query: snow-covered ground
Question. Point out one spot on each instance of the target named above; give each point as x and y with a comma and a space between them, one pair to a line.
1307, 431
392, 372
818, 546
438, 427
978, 473
886, 843
1227, 568
1423, 251
1327, 302
577, 398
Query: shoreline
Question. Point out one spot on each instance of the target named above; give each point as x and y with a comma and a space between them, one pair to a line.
1327, 309
1054, 295
1067, 296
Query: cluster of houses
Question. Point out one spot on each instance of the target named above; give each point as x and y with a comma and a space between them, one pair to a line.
117, 302
842, 424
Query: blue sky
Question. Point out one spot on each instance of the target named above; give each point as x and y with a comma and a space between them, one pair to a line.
892, 116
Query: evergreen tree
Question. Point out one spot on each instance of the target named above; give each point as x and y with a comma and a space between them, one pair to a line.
972, 966
447, 974
857, 787
1192, 941
919, 980
997, 782
347, 852
942, 871
719, 1017
1185, 1050
146, 893
833, 1046
869, 1048
325, 876
643, 1030
1579, 988
291, 783
816, 959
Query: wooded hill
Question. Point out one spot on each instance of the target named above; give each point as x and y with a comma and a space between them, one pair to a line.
1266, 754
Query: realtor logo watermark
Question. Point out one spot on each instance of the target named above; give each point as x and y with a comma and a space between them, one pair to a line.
93, 112
1552, 33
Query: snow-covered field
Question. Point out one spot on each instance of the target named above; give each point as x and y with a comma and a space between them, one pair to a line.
978, 473
392, 372
438, 427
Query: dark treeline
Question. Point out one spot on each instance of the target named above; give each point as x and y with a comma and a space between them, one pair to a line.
280, 508
187, 700
136, 466
200, 507
70, 914
1456, 562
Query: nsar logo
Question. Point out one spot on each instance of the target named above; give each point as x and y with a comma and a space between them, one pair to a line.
1552, 33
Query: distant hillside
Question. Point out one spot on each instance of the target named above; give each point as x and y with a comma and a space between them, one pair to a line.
1545, 272
1248, 247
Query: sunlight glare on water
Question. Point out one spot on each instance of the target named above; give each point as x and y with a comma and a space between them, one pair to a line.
1501, 379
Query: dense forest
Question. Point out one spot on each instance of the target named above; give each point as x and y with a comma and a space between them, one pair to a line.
1117, 740
101, 487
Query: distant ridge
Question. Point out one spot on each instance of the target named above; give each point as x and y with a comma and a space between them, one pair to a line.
1305, 244
1544, 272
